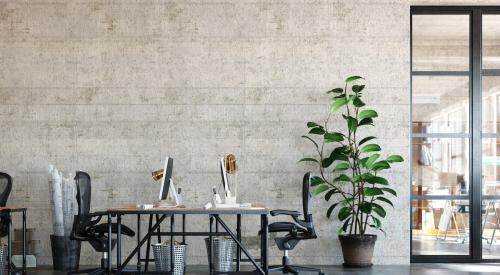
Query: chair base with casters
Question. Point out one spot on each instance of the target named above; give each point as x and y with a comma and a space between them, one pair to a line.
287, 267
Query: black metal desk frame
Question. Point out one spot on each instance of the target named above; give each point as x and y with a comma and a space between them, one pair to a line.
154, 230
10, 266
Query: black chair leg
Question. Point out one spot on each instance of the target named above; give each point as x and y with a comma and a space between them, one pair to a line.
289, 269
304, 268
84, 271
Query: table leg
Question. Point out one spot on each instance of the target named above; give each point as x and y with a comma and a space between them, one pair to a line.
24, 240
211, 247
119, 244
9, 241
138, 241
172, 256
263, 234
109, 245
159, 228
238, 235
183, 228
148, 244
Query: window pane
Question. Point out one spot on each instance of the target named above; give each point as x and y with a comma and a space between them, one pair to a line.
491, 166
440, 227
440, 104
440, 42
440, 166
491, 229
491, 41
491, 101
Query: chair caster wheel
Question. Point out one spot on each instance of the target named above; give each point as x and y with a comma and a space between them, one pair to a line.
321, 273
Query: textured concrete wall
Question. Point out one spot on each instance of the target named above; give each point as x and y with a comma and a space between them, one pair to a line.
111, 87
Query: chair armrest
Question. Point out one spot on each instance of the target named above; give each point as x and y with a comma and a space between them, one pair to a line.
285, 212
97, 213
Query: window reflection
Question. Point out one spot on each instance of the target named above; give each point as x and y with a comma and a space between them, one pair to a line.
440, 166
440, 227
490, 104
491, 166
440, 104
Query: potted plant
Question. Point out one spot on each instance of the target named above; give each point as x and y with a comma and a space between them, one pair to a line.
349, 176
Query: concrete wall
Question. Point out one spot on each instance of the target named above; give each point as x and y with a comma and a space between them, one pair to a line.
111, 87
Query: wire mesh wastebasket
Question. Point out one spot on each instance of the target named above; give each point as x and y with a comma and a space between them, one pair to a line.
162, 253
3, 259
222, 253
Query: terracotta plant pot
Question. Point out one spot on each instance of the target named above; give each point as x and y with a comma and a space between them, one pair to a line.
357, 249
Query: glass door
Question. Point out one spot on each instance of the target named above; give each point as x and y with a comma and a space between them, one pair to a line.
455, 132
490, 163
440, 185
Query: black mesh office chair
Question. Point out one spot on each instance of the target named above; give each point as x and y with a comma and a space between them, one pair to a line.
86, 226
5, 188
300, 229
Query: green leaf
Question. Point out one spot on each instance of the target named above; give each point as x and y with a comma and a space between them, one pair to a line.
389, 190
330, 210
333, 137
372, 191
357, 102
342, 177
395, 158
346, 225
352, 123
365, 207
308, 159
385, 200
366, 121
376, 222
367, 114
338, 103
365, 140
327, 162
320, 189
311, 124
317, 130
352, 78
316, 181
344, 213
342, 166
370, 148
312, 140
336, 90
378, 180
378, 209
357, 88
381, 165
371, 160
330, 193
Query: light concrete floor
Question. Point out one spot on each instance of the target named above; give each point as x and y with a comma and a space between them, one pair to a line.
416, 269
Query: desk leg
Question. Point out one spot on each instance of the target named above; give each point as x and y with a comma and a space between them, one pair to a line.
159, 228
263, 248
9, 241
148, 244
119, 244
24, 240
238, 235
109, 245
172, 255
183, 228
210, 244
138, 241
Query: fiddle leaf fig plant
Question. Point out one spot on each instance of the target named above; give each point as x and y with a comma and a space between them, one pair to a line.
350, 163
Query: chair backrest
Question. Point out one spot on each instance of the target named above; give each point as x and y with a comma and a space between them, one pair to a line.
307, 197
5, 188
83, 192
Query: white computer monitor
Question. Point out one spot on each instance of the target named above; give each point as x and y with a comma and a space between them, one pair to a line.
167, 185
